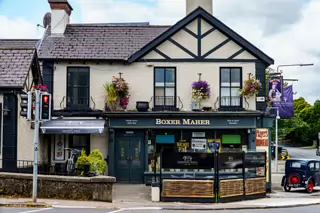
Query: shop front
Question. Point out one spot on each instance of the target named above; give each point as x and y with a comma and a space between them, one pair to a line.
135, 142
58, 136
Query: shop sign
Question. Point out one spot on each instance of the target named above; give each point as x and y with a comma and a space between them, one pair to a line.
182, 122
198, 143
174, 160
262, 144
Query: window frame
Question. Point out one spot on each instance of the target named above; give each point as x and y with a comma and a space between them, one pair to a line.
72, 105
87, 148
230, 87
175, 87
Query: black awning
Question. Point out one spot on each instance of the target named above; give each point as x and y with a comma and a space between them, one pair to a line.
73, 127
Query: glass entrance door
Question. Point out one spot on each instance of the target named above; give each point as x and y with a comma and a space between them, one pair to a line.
129, 160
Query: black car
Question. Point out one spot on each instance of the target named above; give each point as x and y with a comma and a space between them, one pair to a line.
301, 173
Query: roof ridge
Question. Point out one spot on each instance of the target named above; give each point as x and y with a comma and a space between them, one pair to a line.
97, 25
19, 39
17, 48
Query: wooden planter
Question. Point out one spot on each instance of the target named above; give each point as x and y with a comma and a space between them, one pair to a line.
231, 188
256, 186
188, 189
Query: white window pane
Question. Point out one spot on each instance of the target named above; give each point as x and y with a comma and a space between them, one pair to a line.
225, 92
235, 92
159, 75
225, 97
159, 92
170, 84
170, 96
235, 97
170, 75
225, 75
235, 84
159, 84
170, 92
224, 84
235, 75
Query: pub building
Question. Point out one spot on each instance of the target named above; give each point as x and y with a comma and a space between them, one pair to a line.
135, 139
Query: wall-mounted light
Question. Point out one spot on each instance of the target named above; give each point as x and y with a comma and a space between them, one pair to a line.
6, 111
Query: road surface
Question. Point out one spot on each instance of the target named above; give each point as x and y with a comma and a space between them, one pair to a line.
296, 152
309, 209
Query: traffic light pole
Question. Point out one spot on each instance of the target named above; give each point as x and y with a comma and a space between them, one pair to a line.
36, 147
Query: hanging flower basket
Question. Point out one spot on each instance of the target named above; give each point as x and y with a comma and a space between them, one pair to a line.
200, 90
118, 92
251, 87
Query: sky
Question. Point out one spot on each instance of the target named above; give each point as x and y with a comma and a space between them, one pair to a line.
286, 30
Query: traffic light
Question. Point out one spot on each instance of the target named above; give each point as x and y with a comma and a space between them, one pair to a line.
45, 107
26, 106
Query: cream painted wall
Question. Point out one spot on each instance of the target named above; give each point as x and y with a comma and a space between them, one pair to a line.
140, 76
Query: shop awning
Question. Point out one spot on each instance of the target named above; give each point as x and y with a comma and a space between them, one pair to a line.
73, 127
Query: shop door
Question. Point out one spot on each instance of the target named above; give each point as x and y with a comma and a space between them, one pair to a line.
129, 160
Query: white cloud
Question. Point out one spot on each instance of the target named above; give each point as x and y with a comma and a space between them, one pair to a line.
18, 28
287, 30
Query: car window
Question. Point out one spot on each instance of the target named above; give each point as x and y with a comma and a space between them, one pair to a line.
295, 165
311, 166
318, 166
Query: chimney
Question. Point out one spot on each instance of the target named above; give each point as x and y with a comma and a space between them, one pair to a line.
194, 4
60, 16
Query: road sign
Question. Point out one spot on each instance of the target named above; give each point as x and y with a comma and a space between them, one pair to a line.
285, 157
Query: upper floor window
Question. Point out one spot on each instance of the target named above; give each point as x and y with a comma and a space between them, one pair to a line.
165, 94
78, 88
230, 85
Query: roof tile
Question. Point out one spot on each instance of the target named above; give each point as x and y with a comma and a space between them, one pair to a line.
14, 66
101, 42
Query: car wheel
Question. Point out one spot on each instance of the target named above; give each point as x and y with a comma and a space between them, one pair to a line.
310, 187
287, 188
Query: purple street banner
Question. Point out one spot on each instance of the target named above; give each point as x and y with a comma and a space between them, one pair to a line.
286, 107
275, 88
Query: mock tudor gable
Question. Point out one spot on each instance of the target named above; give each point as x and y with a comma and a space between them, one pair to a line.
200, 37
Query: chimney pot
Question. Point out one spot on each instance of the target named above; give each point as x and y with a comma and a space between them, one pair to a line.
194, 4
60, 16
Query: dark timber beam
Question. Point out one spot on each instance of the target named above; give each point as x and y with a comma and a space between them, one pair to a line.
182, 47
162, 54
190, 32
199, 37
208, 32
216, 48
236, 54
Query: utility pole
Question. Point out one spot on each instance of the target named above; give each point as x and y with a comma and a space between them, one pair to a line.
276, 149
36, 146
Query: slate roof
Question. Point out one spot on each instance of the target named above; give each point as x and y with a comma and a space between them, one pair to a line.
99, 41
18, 43
15, 64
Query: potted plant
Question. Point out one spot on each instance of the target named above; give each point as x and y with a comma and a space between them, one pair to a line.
251, 87
200, 92
117, 93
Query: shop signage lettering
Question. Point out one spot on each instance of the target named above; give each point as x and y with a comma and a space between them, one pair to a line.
182, 122
187, 161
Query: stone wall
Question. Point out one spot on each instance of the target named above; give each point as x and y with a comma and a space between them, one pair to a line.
98, 188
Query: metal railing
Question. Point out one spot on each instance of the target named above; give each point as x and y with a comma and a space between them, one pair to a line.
166, 103
77, 104
231, 102
26, 167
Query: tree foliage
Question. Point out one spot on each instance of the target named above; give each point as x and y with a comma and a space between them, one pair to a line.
304, 127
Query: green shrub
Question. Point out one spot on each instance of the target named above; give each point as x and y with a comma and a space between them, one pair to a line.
96, 160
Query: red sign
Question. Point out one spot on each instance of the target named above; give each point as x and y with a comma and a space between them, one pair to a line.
262, 137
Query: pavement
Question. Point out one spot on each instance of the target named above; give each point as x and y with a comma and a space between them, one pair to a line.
136, 198
309, 209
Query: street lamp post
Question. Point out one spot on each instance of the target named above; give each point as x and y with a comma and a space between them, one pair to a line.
276, 149
278, 117
293, 65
